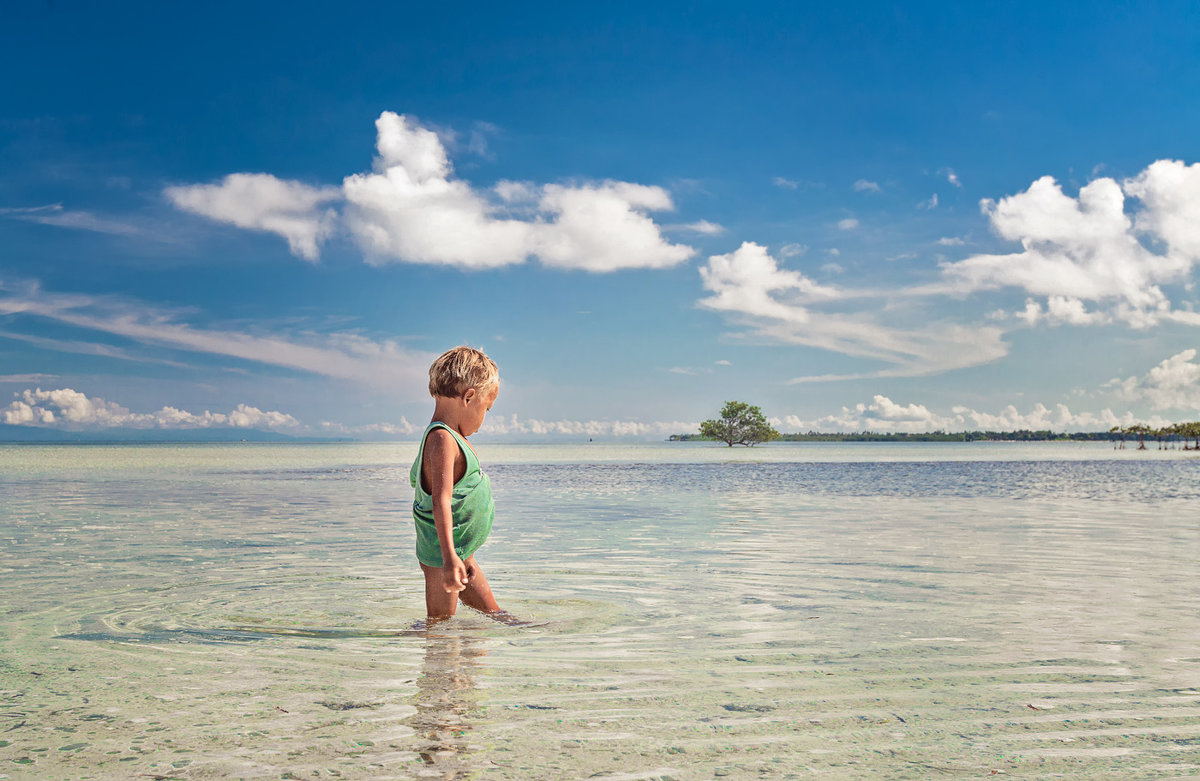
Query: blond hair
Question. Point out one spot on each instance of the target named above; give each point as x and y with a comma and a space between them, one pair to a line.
457, 370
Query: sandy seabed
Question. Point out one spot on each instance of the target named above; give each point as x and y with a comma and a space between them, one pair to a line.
223, 612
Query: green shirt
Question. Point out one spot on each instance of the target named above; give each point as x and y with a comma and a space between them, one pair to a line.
471, 506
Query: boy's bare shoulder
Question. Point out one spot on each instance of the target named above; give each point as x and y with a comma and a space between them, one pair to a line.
440, 439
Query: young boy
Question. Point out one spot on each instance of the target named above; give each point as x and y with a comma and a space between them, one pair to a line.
452, 505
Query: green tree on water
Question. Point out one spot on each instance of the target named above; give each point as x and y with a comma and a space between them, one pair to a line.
739, 424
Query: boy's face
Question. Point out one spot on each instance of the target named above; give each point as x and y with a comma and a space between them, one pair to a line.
477, 406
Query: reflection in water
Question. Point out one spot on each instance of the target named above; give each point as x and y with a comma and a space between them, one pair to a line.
444, 699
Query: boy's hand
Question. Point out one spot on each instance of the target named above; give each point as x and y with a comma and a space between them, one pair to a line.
455, 575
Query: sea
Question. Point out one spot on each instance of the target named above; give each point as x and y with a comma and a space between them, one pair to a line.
679, 611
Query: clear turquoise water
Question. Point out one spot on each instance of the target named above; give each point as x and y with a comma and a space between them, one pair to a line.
791, 611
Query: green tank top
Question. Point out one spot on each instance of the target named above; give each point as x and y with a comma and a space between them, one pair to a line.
471, 505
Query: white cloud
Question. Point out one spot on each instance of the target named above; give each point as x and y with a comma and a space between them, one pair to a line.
703, 226
883, 415
782, 306
66, 407
348, 356
847, 224
864, 185
832, 268
723, 363
951, 177
604, 228
1060, 310
786, 184
929, 204
1088, 249
411, 208
401, 429
25, 379
793, 250
951, 241
1072, 311
502, 425
262, 202
55, 214
1042, 418
1172, 384
746, 280
88, 348
1170, 194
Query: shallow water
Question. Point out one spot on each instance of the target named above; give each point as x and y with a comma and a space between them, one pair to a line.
796, 610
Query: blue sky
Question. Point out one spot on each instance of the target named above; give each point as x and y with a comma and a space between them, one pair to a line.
884, 216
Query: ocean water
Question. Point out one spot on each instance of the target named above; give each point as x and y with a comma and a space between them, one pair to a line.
791, 611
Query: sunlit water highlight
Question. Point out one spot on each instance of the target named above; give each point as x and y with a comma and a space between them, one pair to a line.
791, 611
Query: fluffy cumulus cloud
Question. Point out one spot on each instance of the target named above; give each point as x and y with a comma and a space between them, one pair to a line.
1093, 258
749, 281
371, 430
1104, 256
1172, 384
68, 408
883, 415
784, 306
412, 208
604, 228
295, 211
1060, 310
513, 425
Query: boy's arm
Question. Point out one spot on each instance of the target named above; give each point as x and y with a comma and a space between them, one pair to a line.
441, 453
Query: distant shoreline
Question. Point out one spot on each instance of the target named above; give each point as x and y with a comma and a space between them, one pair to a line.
932, 436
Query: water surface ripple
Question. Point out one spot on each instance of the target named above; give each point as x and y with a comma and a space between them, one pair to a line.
867, 612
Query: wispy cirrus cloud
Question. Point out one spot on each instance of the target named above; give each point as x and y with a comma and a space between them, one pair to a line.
54, 214
83, 347
343, 355
700, 226
786, 307
25, 379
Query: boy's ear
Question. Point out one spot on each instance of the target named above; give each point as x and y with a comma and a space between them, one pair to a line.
470, 394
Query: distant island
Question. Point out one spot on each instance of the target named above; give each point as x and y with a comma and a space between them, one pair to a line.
934, 436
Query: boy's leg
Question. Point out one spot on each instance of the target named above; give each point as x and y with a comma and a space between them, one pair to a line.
439, 603
477, 594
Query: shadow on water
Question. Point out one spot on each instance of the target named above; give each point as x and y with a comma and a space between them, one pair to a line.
445, 703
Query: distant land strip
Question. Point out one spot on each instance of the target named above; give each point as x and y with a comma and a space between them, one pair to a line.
940, 436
